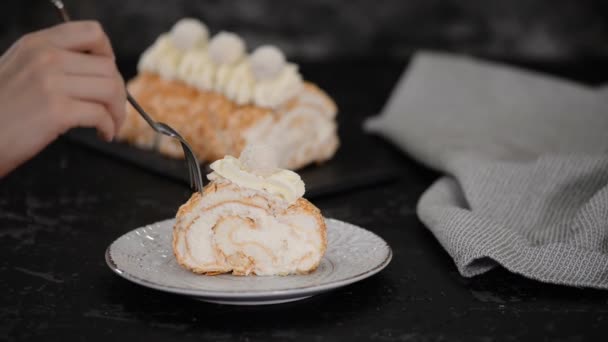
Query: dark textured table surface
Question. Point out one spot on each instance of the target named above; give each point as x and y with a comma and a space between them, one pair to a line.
59, 212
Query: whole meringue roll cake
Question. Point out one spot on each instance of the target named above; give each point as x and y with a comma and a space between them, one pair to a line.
251, 219
221, 98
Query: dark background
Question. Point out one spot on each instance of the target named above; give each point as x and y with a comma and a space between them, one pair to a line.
537, 31
60, 211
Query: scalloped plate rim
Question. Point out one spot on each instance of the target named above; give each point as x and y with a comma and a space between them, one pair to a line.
253, 295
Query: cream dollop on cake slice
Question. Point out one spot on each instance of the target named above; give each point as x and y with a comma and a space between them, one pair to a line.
257, 169
251, 219
262, 159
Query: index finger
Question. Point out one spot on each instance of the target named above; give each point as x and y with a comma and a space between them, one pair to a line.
81, 36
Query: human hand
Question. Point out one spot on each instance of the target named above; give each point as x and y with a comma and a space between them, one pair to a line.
55, 79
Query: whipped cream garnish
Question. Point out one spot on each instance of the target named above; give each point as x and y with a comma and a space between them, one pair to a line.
161, 58
274, 92
189, 33
223, 73
240, 85
261, 158
267, 61
226, 48
256, 169
197, 69
185, 54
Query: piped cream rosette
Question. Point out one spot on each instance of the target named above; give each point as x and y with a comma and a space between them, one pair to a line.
251, 219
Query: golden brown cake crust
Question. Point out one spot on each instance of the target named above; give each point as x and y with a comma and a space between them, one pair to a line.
213, 124
301, 206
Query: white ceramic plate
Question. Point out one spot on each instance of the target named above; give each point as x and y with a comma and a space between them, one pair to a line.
144, 256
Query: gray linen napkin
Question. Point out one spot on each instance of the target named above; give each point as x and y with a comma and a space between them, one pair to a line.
526, 164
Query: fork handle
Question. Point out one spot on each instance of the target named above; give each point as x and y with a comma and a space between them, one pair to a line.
140, 110
61, 9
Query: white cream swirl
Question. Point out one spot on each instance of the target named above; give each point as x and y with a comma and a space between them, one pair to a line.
189, 33
223, 73
267, 61
226, 48
272, 93
240, 85
197, 69
162, 58
261, 158
283, 183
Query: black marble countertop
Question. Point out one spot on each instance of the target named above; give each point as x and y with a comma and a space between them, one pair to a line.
59, 212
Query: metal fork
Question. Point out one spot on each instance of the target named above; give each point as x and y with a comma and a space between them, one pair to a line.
196, 178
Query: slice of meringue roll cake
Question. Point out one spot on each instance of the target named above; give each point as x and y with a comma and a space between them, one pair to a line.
250, 219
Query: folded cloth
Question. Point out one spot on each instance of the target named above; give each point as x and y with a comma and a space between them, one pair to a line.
526, 164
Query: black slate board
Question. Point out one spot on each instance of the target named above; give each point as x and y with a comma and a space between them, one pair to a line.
356, 165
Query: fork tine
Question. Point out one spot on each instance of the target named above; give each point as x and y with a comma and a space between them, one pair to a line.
191, 172
196, 173
198, 177
190, 175
193, 165
193, 179
189, 162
